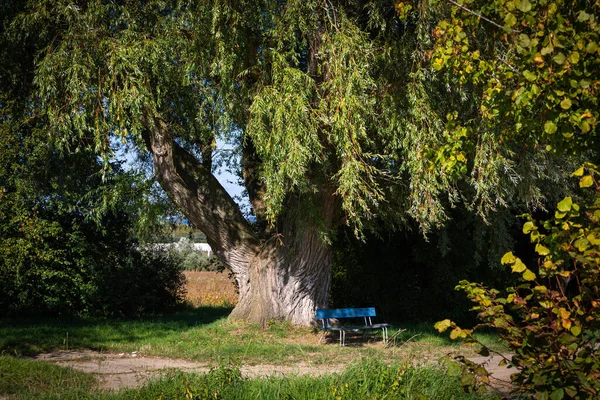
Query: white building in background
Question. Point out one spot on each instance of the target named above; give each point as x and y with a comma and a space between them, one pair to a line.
204, 247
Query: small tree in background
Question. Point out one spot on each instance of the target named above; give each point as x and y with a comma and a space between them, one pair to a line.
551, 319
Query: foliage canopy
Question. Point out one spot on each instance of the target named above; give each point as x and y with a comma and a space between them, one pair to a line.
364, 97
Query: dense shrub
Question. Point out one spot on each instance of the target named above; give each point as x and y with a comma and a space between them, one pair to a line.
57, 255
74, 267
550, 320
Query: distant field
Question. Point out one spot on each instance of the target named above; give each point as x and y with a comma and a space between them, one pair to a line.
210, 289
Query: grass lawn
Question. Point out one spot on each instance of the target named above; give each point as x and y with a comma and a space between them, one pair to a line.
205, 334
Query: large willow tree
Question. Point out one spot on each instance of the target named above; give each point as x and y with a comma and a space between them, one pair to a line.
344, 112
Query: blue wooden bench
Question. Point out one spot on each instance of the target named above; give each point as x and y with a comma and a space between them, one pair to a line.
324, 315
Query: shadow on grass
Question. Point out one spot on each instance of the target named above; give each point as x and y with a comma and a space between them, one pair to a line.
34, 335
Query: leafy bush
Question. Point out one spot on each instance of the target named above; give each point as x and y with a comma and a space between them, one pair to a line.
68, 266
59, 257
140, 283
192, 259
551, 319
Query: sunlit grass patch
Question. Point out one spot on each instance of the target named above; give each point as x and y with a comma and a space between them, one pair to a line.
25, 379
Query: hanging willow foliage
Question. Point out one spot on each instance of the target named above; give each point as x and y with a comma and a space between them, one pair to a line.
402, 109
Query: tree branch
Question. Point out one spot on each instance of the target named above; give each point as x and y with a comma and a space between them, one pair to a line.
201, 197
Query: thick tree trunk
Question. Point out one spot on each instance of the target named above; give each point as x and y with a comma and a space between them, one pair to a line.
288, 275
286, 282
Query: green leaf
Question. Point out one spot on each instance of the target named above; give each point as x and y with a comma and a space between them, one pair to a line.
524, 5
566, 104
558, 394
575, 330
528, 275
574, 57
510, 20
484, 351
583, 16
530, 76
559, 58
586, 181
565, 204
453, 369
550, 127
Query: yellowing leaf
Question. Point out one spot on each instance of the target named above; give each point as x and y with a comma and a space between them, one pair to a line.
566, 104
594, 238
456, 332
586, 181
508, 258
566, 323
575, 330
527, 227
542, 250
528, 275
564, 314
578, 172
441, 326
518, 266
565, 204
550, 127
546, 303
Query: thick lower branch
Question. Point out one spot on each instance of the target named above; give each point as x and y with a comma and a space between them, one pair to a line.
202, 199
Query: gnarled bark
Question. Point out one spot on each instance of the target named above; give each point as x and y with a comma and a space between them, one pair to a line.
286, 281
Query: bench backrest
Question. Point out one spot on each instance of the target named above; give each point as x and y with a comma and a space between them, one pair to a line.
345, 313
326, 313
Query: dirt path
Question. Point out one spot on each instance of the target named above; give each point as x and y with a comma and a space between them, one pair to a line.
128, 370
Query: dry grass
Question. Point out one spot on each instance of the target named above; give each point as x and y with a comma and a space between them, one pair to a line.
213, 289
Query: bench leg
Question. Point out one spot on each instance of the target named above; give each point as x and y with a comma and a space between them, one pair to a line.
342, 337
385, 334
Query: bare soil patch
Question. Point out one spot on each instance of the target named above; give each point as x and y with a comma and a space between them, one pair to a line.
128, 370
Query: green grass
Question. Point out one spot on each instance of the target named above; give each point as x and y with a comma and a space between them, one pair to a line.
205, 334
25, 379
